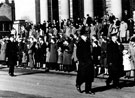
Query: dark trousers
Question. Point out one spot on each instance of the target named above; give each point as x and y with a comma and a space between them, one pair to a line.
11, 69
88, 87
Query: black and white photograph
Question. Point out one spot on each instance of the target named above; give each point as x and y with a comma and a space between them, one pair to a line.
67, 48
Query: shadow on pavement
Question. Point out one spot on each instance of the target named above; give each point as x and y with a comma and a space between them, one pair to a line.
123, 83
43, 72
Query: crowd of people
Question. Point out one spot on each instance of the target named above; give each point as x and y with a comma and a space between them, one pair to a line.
55, 46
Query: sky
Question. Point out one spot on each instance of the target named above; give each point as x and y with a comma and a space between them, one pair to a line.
25, 9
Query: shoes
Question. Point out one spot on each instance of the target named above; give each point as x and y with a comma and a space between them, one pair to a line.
116, 87
12, 75
127, 77
107, 84
78, 88
90, 92
46, 70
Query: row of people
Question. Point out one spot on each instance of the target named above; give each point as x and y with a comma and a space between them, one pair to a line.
58, 54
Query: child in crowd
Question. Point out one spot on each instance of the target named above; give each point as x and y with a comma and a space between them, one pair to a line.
37, 56
126, 63
47, 58
24, 59
60, 58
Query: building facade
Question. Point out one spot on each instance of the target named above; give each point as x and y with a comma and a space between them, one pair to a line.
7, 16
64, 9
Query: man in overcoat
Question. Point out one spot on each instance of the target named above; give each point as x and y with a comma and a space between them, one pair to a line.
11, 54
114, 60
85, 73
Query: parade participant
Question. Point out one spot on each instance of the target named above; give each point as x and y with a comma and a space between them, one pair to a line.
85, 73
114, 60
11, 53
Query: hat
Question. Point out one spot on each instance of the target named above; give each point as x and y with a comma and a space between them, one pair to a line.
83, 31
113, 34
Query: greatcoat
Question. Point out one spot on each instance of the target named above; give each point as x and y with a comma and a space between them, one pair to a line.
85, 68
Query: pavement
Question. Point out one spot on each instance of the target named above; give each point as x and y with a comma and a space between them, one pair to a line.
56, 84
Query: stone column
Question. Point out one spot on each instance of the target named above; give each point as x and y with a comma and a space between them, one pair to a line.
116, 8
44, 10
71, 8
37, 7
64, 9
88, 8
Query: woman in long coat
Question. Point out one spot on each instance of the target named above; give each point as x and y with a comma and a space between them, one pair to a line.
53, 54
67, 55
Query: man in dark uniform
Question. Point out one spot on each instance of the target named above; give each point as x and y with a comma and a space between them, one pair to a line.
11, 53
85, 73
114, 60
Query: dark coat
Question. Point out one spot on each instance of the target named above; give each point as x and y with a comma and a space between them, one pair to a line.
19, 52
103, 59
37, 55
53, 53
11, 53
85, 68
114, 59
42, 52
96, 52
67, 54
